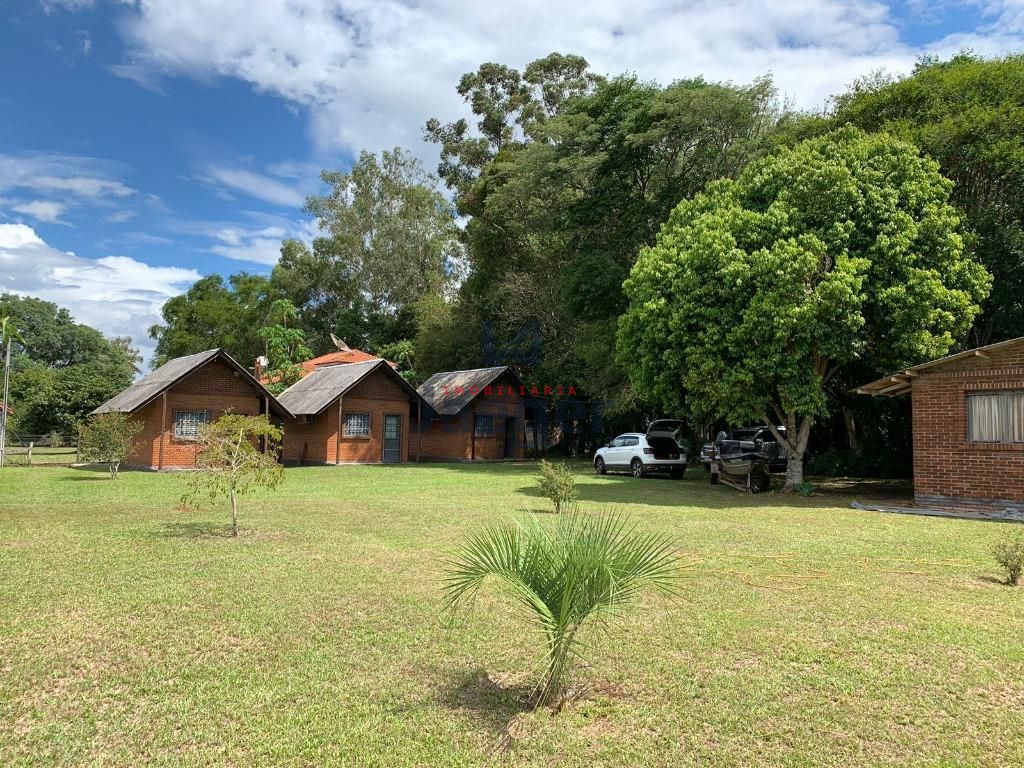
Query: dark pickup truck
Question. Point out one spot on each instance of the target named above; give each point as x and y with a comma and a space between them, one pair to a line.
729, 443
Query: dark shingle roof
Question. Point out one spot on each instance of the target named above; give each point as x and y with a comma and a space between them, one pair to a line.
451, 391
309, 396
169, 374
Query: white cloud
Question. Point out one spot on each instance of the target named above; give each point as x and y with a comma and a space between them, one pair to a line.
253, 184
116, 294
119, 217
46, 211
372, 71
85, 178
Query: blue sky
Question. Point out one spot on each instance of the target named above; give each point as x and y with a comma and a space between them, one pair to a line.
144, 143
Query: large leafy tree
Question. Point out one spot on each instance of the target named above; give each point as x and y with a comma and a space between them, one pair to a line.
565, 177
759, 290
968, 114
390, 229
62, 369
215, 313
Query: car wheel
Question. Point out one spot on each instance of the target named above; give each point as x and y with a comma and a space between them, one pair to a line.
637, 468
677, 473
599, 466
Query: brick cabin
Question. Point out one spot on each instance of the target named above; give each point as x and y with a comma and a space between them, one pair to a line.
473, 415
173, 401
368, 404
968, 424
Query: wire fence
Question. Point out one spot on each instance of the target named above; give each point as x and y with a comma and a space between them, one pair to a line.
21, 450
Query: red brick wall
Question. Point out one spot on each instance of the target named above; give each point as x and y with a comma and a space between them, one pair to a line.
377, 395
947, 466
214, 388
452, 438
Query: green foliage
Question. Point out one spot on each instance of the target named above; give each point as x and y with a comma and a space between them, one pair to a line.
403, 354
390, 228
575, 572
805, 489
61, 369
108, 438
967, 114
286, 347
759, 290
237, 455
214, 313
1009, 553
561, 193
557, 484
54, 440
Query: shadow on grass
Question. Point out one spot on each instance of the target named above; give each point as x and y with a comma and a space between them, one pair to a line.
487, 698
996, 580
193, 530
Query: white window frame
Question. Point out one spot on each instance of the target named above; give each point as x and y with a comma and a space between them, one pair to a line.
477, 421
1010, 415
199, 418
346, 429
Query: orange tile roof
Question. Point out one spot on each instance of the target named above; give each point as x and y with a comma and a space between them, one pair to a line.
335, 358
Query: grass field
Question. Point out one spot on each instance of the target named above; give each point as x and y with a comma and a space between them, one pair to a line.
809, 634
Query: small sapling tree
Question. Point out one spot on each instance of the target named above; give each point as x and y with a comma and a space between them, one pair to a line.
1009, 553
557, 484
237, 455
107, 438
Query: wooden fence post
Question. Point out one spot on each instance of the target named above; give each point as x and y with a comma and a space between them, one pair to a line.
78, 447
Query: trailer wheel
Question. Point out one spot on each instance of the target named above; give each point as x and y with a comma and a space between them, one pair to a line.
760, 482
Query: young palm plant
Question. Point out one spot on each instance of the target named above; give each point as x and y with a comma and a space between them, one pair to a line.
581, 567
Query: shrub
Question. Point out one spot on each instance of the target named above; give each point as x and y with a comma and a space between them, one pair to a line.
563, 574
557, 483
805, 488
1009, 553
54, 440
108, 438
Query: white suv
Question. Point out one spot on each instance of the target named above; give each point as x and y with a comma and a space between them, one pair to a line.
656, 451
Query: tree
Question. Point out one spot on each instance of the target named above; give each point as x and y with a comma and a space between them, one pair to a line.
108, 438
565, 177
62, 369
215, 314
390, 229
967, 114
236, 455
573, 573
9, 333
286, 347
759, 290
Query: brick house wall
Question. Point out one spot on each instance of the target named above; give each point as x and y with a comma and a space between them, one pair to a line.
947, 466
451, 438
215, 388
317, 443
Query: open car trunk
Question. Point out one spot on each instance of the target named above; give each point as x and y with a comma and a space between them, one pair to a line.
663, 437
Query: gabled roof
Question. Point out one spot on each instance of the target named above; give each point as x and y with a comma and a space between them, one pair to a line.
312, 394
451, 391
900, 383
170, 373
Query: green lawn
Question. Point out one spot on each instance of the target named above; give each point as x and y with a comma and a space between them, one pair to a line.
133, 632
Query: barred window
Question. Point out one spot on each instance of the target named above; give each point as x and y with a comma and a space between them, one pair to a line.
357, 425
996, 417
484, 426
188, 423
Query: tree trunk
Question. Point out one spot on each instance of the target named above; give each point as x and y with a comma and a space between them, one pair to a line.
113, 470
234, 513
797, 434
852, 438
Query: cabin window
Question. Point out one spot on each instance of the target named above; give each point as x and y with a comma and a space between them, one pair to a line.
357, 425
484, 426
996, 417
188, 423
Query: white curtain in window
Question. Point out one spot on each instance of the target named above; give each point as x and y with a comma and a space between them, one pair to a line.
1017, 417
984, 417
